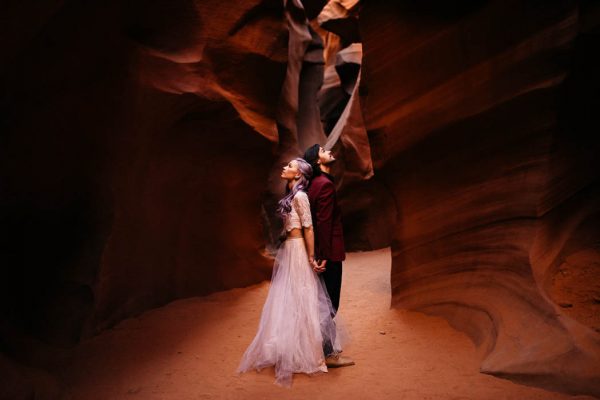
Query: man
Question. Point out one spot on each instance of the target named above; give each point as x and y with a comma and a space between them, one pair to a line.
329, 236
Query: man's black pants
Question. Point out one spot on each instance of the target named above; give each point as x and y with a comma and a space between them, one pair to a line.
333, 281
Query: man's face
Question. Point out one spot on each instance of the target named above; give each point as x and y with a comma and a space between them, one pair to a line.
325, 156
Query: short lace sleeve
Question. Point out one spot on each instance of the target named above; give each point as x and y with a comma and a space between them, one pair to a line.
302, 206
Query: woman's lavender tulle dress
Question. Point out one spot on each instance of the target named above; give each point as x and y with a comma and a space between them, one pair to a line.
297, 319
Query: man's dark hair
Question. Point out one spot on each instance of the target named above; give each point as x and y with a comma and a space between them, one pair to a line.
311, 155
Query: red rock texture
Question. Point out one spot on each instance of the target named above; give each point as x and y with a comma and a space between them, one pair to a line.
137, 140
140, 142
479, 127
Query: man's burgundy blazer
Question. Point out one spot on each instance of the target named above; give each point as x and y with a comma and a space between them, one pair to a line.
327, 219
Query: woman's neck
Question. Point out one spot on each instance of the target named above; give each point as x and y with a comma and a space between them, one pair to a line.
325, 168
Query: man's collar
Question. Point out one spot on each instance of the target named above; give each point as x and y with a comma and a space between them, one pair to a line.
328, 176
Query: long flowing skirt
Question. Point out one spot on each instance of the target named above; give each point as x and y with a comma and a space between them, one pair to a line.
297, 319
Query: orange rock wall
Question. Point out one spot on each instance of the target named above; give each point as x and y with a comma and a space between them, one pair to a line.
137, 140
140, 144
481, 126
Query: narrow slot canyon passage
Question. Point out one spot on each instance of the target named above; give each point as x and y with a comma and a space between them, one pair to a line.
141, 148
190, 348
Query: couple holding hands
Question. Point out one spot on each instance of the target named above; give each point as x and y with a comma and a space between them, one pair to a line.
298, 330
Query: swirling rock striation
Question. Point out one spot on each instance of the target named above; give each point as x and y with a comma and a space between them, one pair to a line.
479, 128
137, 140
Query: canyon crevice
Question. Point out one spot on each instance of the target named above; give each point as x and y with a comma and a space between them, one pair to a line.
142, 142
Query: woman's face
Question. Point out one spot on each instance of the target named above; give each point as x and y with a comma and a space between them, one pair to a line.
290, 171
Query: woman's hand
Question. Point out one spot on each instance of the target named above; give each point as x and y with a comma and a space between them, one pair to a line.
319, 267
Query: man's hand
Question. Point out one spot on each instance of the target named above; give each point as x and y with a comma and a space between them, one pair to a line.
319, 267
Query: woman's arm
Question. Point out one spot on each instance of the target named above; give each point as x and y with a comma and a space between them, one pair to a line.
309, 242
303, 209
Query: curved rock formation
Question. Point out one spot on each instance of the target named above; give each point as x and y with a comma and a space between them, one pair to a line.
137, 140
478, 127
319, 101
141, 140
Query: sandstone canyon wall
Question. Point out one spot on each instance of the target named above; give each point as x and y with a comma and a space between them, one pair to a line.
136, 143
483, 122
140, 142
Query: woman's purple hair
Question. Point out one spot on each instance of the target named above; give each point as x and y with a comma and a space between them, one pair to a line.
285, 204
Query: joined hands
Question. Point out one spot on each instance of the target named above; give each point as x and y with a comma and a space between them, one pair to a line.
318, 266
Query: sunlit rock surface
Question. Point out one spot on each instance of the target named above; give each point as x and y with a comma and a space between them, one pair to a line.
483, 130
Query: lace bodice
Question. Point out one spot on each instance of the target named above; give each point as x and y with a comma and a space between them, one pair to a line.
299, 216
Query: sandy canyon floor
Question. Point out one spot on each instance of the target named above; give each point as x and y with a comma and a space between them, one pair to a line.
189, 349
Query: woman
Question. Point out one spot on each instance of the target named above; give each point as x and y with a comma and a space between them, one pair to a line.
296, 321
